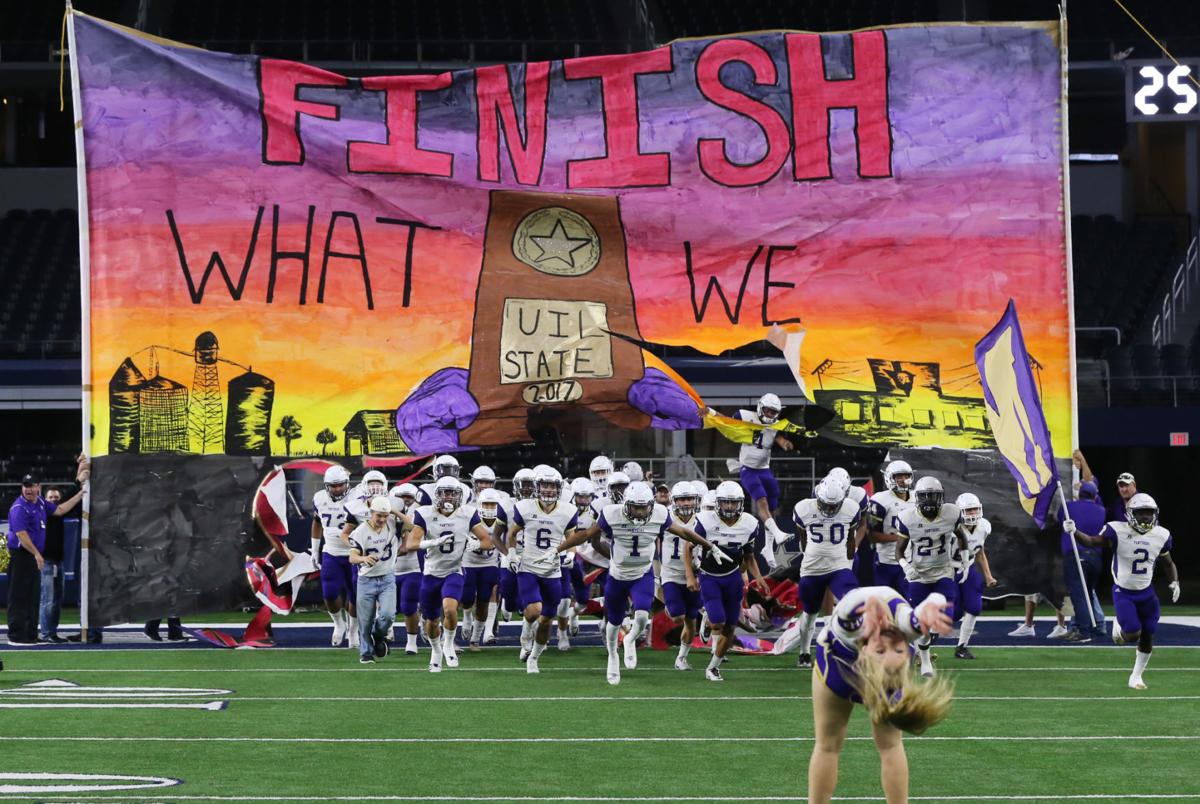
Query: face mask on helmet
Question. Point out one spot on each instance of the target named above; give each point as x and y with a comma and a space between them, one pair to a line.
582, 501
638, 511
488, 512
901, 482
448, 468
685, 505
375, 488
337, 490
448, 500
730, 507
549, 491
1143, 519
481, 484
524, 488
409, 501
929, 503
828, 507
616, 491
971, 516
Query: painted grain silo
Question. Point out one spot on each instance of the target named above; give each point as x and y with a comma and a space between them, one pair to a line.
248, 422
164, 415
123, 413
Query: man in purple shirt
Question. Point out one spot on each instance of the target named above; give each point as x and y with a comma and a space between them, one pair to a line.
26, 540
1088, 510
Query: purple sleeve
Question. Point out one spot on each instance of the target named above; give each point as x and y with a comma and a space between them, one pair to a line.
517, 518
1166, 548
900, 526
699, 528
1109, 535
475, 520
50, 507
666, 524
796, 518
858, 518
605, 528
423, 497
894, 605
574, 523
501, 514
419, 521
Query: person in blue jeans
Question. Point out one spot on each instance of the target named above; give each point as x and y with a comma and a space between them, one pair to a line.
1089, 516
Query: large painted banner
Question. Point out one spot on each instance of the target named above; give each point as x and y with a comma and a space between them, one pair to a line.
281, 260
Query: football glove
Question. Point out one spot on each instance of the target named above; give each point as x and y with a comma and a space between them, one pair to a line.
1174, 587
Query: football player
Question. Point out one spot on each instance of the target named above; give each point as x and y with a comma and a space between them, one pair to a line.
1139, 545
575, 592
827, 525
864, 656
444, 466
754, 460
884, 514
632, 528
617, 483
599, 471
481, 568
680, 586
408, 566
733, 531
546, 521
931, 534
445, 531
338, 576
972, 571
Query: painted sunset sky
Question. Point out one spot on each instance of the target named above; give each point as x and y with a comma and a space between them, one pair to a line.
916, 266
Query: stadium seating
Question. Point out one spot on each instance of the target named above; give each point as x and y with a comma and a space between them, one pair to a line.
39, 261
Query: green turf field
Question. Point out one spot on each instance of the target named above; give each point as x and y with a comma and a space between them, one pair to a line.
1030, 724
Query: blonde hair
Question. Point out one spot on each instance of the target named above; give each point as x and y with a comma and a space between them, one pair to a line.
895, 696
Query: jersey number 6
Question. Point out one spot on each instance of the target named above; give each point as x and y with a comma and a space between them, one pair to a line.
542, 539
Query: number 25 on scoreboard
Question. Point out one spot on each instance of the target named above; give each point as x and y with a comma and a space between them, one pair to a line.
1162, 91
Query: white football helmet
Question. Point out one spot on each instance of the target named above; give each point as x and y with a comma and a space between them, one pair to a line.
830, 495
731, 500
337, 482
700, 488
639, 502
599, 470
523, 485
380, 505
617, 483
634, 470
930, 496
482, 478
549, 484
684, 499
841, 475
407, 492
971, 507
374, 483
445, 465
1142, 513
447, 495
488, 504
583, 492
709, 501
898, 477
400, 502
768, 409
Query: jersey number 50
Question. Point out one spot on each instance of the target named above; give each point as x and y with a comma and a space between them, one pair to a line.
837, 533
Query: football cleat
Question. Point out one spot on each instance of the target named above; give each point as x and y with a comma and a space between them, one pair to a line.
963, 652
435, 667
614, 669
1136, 683
681, 663
564, 642
804, 660
531, 664
366, 659
353, 634
629, 642
450, 657
714, 674
339, 633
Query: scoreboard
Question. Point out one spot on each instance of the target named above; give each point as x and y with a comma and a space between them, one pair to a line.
1162, 91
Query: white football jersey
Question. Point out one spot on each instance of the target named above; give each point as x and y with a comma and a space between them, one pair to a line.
735, 540
756, 454
544, 532
671, 563
826, 535
975, 540
884, 510
932, 543
382, 544
632, 545
487, 558
1134, 554
586, 518
445, 559
332, 515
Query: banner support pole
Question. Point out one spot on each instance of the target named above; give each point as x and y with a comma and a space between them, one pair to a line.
1087, 593
85, 295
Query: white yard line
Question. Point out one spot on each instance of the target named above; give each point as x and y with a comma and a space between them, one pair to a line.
441, 699
360, 741
384, 667
1043, 797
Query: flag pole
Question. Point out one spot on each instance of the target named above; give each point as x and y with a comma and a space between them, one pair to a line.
1087, 594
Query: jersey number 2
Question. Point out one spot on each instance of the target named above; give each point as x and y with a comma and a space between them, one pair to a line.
1141, 559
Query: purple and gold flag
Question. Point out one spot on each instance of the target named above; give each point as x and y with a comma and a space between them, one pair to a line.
1014, 411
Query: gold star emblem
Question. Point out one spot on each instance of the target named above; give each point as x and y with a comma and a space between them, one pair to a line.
559, 245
